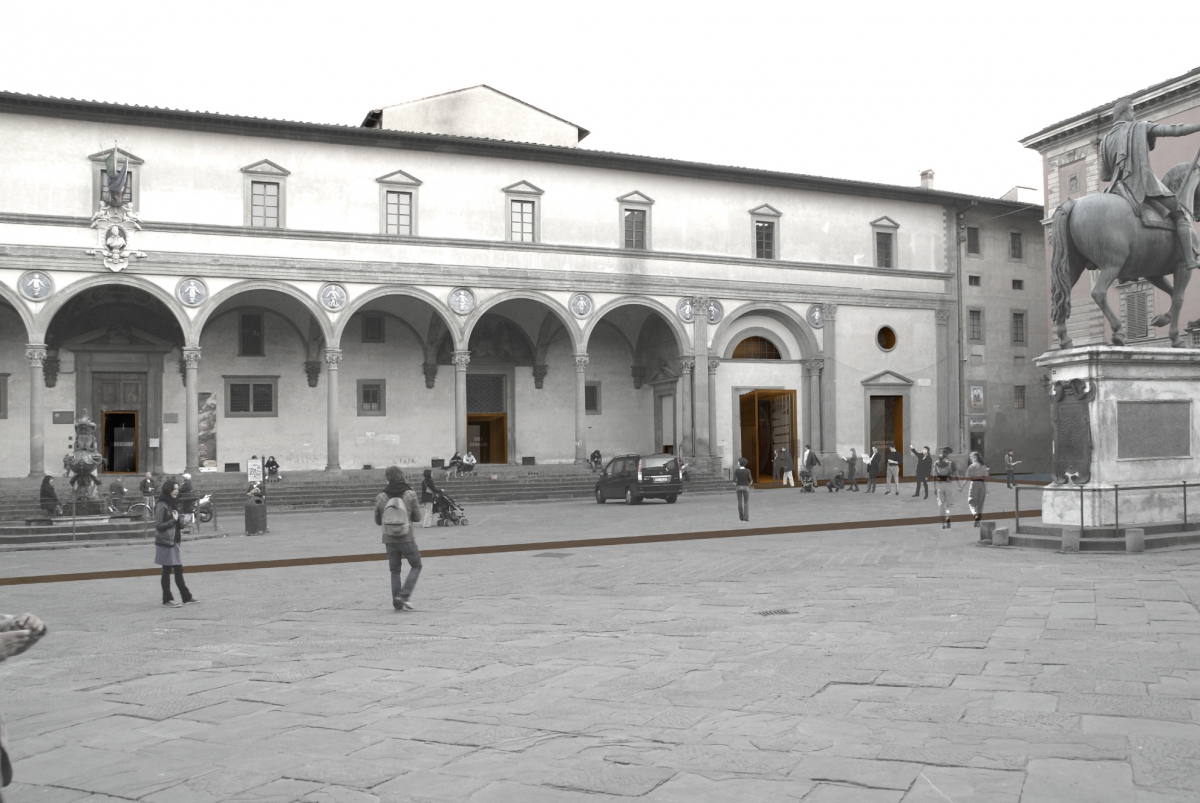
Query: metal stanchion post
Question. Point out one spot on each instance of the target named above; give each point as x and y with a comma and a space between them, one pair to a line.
1185, 504
1017, 505
1117, 510
1081, 511
72, 518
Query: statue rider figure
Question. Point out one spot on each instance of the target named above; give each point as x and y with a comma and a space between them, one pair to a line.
1125, 162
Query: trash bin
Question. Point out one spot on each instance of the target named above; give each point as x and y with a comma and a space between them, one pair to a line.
256, 516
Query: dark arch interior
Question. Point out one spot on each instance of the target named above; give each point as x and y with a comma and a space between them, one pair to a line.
117, 309
756, 348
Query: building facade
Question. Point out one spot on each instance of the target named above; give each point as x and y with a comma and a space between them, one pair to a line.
1070, 151
341, 296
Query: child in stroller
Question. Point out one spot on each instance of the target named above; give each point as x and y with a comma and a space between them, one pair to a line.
448, 511
807, 483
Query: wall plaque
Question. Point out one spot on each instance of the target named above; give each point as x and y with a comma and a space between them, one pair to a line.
1154, 429
63, 417
1071, 418
170, 418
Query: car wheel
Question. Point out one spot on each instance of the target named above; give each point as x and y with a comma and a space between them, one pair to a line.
600, 500
671, 499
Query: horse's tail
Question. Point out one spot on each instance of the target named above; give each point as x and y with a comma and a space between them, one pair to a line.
1060, 264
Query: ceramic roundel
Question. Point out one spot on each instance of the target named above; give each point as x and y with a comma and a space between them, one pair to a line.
36, 285
686, 308
715, 311
334, 297
816, 316
192, 292
462, 300
582, 305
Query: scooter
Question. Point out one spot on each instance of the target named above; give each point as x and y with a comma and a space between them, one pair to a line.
204, 509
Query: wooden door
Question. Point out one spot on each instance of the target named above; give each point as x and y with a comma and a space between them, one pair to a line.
126, 393
748, 417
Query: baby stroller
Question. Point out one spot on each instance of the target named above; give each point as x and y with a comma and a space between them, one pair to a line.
837, 483
448, 511
807, 483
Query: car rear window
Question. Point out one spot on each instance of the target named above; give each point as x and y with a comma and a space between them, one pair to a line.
654, 461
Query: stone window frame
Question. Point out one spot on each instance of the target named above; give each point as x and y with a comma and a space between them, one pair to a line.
399, 181
765, 213
635, 201
135, 164
598, 409
262, 314
1012, 320
523, 191
4, 395
375, 316
268, 172
1018, 285
1021, 259
885, 225
358, 397
252, 380
978, 253
974, 280
1019, 397
982, 339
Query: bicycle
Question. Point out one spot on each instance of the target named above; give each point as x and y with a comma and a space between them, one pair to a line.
134, 510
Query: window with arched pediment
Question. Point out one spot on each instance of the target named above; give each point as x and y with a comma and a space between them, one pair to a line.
756, 348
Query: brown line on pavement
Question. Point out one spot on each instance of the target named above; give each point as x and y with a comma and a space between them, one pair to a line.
283, 563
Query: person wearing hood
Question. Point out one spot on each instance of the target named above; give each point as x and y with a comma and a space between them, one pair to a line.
47, 496
396, 508
167, 535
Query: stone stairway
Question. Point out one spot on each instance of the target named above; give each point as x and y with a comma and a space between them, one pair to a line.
357, 488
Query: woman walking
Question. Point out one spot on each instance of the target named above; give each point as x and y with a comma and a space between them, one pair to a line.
428, 489
944, 472
47, 496
166, 544
977, 474
851, 470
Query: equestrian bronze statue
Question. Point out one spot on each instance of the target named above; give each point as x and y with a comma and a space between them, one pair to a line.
1139, 228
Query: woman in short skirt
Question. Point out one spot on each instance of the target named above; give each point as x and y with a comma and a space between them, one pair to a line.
166, 544
977, 473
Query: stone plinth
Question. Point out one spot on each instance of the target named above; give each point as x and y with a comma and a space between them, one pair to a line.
1125, 418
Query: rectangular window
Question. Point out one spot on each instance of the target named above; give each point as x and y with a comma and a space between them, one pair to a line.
635, 228
398, 213
764, 239
975, 324
591, 398
372, 329
264, 204
1018, 327
250, 335
126, 196
372, 397
521, 223
1019, 397
1018, 284
1139, 309
975, 281
883, 249
972, 240
1015, 248
250, 396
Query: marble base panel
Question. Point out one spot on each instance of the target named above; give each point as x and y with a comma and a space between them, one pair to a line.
1109, 505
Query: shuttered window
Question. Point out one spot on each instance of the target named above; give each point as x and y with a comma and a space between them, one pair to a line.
1139, 309
247, 396
1018, 327
372, 397
591, 398
972, 240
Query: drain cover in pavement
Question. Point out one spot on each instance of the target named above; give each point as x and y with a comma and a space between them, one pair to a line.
776, 612
552, 554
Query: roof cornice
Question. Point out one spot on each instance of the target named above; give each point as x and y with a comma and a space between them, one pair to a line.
120, 114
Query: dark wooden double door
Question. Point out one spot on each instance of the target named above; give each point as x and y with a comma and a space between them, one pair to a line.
119, 410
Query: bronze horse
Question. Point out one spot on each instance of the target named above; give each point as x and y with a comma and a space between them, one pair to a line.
1101, 232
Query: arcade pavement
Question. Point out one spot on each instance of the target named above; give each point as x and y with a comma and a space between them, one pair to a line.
910, 665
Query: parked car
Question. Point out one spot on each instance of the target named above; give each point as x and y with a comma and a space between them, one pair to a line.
638, 477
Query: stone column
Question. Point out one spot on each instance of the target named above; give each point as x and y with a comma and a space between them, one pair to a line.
700, 377
461, 360
333, 360
829, 403
191, 356
812, 417
713, 365
581, 361
684, 426
946, 383
36, 354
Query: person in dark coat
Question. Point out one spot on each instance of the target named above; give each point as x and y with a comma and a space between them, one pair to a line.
788, 465
167, 535
873, 463
272, 467
776, 466
924, 468
742, 480
47, 496
852, 470
428, 489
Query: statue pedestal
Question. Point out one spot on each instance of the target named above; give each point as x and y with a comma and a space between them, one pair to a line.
1124, 419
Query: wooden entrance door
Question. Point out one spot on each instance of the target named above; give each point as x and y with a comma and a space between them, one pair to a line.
487, 437
887, 428
768, 422
120, 393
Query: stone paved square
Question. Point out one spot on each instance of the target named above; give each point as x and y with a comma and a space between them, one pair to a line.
904, 663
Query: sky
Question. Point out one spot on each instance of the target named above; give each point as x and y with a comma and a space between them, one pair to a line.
871, 91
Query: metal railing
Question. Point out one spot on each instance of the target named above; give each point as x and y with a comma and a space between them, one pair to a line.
1116, 491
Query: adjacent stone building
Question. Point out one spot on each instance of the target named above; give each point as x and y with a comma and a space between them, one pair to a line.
457, 273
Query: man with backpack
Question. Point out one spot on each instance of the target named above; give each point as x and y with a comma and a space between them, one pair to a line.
395, 511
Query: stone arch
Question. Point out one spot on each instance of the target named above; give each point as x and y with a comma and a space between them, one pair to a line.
564, 315
46, 316
310, 303
306, 339
360, 302
682, 339
21, 309
793, 321
757, 331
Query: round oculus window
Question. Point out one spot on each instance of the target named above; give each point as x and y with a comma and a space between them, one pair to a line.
886, 338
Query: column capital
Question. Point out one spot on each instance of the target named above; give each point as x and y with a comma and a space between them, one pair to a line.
191, 355
539, 375
713, 365
687, 364
943, 316
813, 366
581, 362
36, 354
830, 311
461, 360
333, 358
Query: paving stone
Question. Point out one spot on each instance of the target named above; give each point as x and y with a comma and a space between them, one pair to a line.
965, 785
1119, 705
832, 793
872, 774
1057, 780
